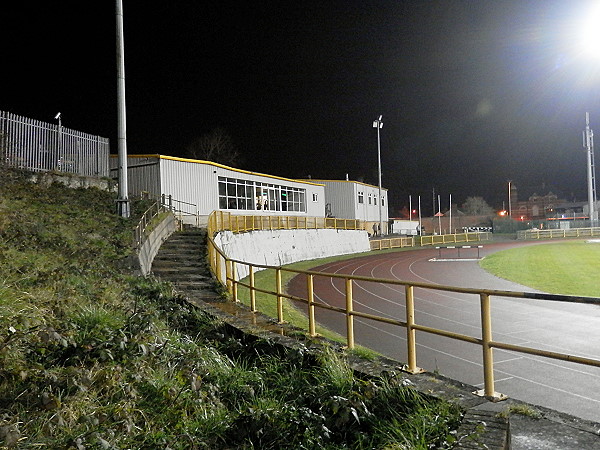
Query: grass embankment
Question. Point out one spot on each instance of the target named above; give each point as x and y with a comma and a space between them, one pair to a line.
569, 268
91, 357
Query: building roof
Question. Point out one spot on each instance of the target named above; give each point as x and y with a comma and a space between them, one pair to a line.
222, 166
347, 181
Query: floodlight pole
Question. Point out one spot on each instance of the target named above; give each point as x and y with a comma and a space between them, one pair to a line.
122, 201
379, 125
588, 144
509, 199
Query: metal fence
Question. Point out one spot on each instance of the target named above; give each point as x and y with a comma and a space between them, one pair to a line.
41, 147
558, 234
483, 337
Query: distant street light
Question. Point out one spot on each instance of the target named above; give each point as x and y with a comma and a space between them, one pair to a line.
58, 116
509, 199
379, 125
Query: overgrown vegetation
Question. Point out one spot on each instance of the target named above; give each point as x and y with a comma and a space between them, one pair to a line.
91, 357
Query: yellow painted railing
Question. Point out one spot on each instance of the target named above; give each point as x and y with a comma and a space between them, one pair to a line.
222, 220
415, 241
227, 277
554, 234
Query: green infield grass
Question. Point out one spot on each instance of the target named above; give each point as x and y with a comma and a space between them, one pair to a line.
570, 268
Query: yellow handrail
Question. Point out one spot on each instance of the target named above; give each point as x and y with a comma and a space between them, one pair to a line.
218, 259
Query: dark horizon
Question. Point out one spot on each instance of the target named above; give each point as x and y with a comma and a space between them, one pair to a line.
472, 94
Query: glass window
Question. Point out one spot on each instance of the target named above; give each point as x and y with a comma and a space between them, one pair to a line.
249, 195
361, 197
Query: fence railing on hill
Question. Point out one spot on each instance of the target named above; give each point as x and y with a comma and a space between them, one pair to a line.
554, 234
224, 269
41, 147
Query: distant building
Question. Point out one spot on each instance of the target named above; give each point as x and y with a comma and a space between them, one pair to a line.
346, 199
538, 206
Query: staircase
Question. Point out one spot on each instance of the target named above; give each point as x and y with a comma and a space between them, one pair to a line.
181, 260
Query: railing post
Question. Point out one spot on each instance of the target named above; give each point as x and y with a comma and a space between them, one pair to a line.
234, 286
228, 275
488, 390
218, 266
411, 341
279, 296
252, 291
349, 315
311, 305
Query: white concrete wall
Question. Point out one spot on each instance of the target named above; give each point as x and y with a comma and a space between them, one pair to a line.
280, 247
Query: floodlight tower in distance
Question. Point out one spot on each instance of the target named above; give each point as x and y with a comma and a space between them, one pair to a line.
588, 144
379, 125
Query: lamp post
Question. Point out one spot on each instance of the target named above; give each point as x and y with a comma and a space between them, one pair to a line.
122, 201
379, 125
509, 199
58, 116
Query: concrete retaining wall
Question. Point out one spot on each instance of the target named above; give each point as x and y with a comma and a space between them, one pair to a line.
152, 243
280, 247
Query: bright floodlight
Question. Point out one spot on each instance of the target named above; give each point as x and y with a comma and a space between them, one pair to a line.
590, 32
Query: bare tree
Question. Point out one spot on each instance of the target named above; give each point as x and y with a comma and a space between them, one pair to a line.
216, 146
476, 206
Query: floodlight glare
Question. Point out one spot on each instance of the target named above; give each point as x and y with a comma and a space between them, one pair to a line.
590, 32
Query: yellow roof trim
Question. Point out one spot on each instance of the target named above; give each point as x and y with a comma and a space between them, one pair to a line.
222, 166
348, 181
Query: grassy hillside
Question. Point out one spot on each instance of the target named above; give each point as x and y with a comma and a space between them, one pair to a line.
93, 358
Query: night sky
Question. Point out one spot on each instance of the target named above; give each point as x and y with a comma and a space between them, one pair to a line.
472, 93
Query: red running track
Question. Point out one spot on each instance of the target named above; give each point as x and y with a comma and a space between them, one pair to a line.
560, 327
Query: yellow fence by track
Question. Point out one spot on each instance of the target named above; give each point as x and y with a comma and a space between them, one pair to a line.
219, 261
421, 241
554, 234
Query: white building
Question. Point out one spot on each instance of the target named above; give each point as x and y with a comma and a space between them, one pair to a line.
204, 186
347, 199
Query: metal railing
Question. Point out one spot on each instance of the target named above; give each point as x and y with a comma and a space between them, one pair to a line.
181, 209
166, 203
555, 234
141, 230
416, 241
222, 220
39, 146
219, 261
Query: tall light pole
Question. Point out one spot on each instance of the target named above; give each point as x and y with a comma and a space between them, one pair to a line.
588, 144
509, 199
379, 125
122, 201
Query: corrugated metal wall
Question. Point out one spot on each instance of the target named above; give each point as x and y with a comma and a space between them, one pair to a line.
143, 175
190, 182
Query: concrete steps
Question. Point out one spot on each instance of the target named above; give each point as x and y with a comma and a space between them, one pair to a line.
181, 260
